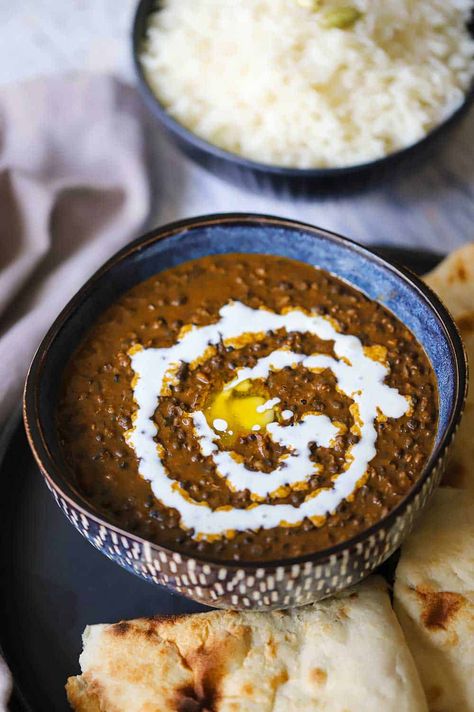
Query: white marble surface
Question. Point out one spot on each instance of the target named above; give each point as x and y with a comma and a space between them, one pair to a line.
432, 207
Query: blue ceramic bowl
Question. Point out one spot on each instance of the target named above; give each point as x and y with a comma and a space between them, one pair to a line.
263, 585
281, 181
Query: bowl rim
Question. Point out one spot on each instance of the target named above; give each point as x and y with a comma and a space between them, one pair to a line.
187, 136
54, 473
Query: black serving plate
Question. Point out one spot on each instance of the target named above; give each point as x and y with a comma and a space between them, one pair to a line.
53, 583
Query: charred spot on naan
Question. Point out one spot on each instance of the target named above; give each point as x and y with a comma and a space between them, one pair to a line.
280, 678
84, 697
434, 693
187, 701
439, 608
318, 676
272, 648
121, 628
147, 628
209, 662
460, 274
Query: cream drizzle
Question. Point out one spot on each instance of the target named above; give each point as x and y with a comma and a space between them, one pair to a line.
220, 424
295, 466
358, 376
268, 405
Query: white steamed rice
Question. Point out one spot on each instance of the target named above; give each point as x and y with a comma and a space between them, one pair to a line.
266, 80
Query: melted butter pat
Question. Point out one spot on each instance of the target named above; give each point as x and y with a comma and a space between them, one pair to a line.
244, 409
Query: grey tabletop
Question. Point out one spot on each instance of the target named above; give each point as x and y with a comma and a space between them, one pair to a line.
431, 208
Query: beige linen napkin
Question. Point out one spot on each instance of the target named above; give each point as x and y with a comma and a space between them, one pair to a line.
73, 189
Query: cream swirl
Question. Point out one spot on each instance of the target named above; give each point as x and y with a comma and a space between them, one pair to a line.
358, 376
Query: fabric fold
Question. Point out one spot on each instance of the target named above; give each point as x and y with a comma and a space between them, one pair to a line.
73, 190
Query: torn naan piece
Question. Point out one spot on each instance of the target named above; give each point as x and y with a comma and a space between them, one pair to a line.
453, 281
345, 653
434, 600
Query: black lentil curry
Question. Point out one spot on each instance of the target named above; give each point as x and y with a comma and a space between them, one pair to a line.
96, 405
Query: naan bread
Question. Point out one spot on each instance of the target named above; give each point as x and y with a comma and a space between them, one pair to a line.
345, 654
434, 600
453, 281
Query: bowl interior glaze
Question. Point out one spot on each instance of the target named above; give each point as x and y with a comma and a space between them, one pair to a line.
396, 288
